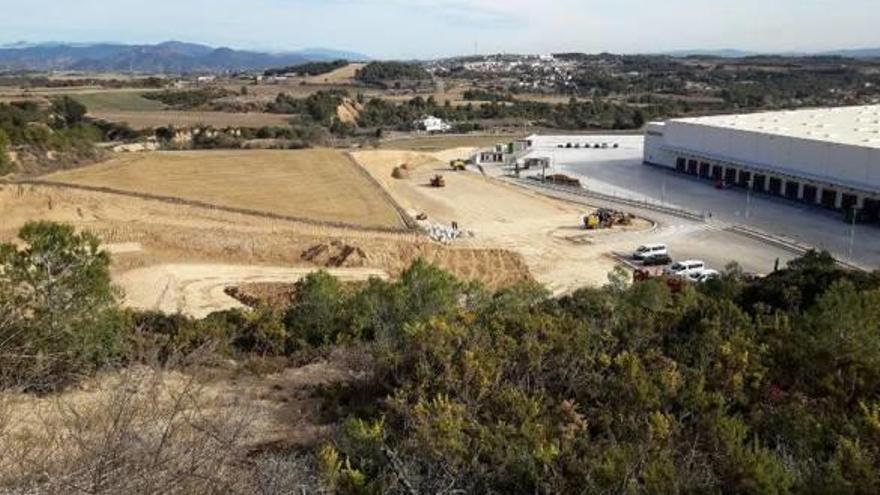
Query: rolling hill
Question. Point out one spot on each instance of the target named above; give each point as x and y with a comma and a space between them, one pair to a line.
168, 57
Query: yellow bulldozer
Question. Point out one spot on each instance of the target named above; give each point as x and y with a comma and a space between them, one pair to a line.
605, 218
458, 165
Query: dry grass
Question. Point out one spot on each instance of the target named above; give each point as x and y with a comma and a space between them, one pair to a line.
173, 233
439, 143
319, 185
146, 430
159, 118
112, 101
344, 75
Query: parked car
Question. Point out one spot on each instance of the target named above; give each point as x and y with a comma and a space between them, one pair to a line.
649, 250
684, 269
704, 276
657, 260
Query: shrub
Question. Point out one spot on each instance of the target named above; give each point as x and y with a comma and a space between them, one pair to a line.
58, 316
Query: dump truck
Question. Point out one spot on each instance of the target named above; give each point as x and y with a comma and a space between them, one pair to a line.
438, 181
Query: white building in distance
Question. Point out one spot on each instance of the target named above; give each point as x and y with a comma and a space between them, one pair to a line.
828, 157
432, 124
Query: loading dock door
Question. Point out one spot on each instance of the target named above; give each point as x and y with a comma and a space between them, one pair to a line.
704, 170
745, 178
730, 176
758, 182
717, 171
829, 198
791, 190
871, 209
692, 167
775, 186
681, 165
849, 201
810, 194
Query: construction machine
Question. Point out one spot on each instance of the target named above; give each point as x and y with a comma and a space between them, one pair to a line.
605, 218
458, 165
438, 181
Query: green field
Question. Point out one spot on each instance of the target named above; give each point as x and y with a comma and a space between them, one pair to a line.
125, 101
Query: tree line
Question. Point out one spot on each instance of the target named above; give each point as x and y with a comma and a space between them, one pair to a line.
309, 68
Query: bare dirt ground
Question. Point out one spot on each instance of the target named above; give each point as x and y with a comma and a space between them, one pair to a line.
546, 232
142, 234
320, 184
198, 290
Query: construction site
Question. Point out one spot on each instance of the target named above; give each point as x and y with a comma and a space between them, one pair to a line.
187, 228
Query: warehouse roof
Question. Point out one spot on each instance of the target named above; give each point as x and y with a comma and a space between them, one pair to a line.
858, 126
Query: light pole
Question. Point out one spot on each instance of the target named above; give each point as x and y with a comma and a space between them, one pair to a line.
852, 232
748, 196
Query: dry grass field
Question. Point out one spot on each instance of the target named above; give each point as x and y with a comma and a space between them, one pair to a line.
445, 142
111, 101
159, 118
319, 185
344, 75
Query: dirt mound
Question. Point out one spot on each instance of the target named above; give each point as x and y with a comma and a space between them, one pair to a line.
278, 295
336, 254
401, 172
349, 111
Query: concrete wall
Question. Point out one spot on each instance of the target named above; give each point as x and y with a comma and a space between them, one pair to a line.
654, 141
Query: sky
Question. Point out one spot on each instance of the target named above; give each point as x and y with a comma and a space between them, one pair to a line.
405, 29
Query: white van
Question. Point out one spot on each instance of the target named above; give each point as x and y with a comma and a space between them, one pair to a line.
685, 269
650, 251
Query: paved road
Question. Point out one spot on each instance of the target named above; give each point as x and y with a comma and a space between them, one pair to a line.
621, 172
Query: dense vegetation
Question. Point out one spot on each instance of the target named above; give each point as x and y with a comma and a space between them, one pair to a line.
769, 386
486, 95
36, 131
575, 114
309, 68
381, 73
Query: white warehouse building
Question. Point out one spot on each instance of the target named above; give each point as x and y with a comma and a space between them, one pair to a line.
828, 157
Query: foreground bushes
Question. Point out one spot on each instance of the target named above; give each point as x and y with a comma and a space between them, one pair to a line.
771, 386
721, 389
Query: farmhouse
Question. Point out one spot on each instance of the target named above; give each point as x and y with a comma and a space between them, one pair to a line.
432, 124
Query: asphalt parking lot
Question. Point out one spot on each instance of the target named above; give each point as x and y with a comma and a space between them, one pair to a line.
620, 172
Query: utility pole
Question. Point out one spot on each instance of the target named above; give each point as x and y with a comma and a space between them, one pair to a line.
663, 192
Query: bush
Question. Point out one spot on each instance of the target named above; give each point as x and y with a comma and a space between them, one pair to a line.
702, 391
6, 166
58, 316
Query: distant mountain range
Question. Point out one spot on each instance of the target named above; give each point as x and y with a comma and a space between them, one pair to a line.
732, 53
167, 57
